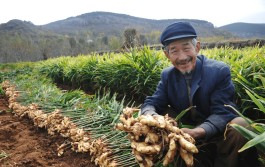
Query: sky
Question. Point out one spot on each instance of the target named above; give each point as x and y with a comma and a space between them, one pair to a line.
218, 12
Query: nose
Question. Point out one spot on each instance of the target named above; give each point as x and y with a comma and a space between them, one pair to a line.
181, 56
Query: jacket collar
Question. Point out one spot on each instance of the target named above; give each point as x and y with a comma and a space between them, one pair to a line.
197, 74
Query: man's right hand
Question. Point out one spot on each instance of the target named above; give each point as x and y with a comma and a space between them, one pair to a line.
196, 133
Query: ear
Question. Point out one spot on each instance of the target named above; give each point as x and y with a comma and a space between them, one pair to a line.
166, 53
198, 47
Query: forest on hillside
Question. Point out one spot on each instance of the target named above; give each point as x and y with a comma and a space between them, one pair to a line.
19, 46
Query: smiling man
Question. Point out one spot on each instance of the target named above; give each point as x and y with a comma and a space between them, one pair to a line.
195, 80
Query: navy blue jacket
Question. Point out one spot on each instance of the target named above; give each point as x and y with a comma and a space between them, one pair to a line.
211, 88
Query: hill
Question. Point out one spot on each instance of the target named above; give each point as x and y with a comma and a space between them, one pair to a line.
245, 30
112, 23
24, 41
94, 32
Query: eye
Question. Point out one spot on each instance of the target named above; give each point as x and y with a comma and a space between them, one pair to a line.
186, 49
172, 51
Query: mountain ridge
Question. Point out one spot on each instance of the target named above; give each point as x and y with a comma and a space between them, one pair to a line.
115, 23
100, 31
246, 30
111, 22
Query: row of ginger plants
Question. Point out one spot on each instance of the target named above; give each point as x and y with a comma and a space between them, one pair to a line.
111, 134
85, 121
138, 72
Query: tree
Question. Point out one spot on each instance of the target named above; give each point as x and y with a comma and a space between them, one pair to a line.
114, 43
131, 39
142, 40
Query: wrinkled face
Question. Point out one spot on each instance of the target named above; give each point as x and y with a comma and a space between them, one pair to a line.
182, 54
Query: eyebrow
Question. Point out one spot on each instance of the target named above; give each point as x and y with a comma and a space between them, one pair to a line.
183, 44
186, 43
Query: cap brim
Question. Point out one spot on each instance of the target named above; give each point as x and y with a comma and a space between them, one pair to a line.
179, 37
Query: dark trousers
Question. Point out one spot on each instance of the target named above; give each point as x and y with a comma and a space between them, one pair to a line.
223, 152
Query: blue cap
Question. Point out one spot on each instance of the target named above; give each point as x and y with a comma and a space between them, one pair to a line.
177, 30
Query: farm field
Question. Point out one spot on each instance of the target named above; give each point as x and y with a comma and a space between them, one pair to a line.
77, 103
24, 145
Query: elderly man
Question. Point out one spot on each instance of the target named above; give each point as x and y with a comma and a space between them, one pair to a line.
195, 80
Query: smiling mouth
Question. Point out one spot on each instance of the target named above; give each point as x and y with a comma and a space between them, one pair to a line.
184, 62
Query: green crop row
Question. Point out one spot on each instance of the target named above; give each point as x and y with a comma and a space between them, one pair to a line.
135, 75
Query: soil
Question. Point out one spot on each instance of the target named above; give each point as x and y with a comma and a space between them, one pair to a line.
24, 145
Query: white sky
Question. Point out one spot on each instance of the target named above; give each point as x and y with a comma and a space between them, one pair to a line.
218, 12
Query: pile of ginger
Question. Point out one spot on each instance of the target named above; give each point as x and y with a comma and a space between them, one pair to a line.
156, 138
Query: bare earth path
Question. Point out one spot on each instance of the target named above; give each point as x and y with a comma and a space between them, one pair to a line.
23, 145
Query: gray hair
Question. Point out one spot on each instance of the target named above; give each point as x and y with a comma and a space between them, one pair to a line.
194, 42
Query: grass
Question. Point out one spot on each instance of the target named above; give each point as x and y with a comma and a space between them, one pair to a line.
1, 91
3, 155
